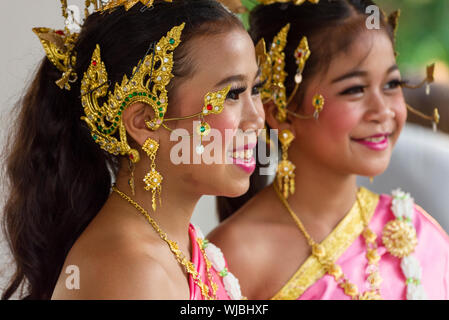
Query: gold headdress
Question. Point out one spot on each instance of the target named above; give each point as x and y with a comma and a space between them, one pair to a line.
272, 65
58, 46
147, 84
273, 73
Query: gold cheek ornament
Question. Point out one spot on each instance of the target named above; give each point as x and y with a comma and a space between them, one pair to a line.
213, 104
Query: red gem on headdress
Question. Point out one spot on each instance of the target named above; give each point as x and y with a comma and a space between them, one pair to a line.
209, 107
299, 54
94, 63
60, 32
131, 156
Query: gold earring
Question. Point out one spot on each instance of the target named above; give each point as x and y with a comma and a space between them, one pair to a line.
286, 169
153, 179
371, 180
318, 104
131, 179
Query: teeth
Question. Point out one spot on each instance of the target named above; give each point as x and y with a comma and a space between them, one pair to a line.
244, 155
375, 140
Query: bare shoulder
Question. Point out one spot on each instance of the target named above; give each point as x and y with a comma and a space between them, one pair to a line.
243, 225
245, 243
114, 270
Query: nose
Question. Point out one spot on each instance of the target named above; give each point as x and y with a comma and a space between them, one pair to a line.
253, 115
379, 109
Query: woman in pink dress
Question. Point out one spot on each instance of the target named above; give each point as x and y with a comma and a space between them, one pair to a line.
335, 96
101, 112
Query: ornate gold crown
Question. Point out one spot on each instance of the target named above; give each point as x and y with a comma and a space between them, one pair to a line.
58, 46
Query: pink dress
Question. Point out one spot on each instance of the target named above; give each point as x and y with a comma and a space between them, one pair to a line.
347, 247
200, 264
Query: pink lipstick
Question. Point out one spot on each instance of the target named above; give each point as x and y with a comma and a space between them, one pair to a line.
377, 142
243, 158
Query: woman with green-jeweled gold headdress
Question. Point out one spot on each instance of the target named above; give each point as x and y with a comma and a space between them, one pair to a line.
97, 208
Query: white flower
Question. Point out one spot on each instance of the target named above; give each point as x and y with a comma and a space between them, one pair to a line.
199, 234
398, 193
409, 207
411, 267
215, 256
416, 292
402, 204
232, 287
397, 206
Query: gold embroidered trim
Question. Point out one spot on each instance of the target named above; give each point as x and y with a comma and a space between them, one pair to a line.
335, 244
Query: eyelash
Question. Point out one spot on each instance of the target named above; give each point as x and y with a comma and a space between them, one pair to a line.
354, 90
235, 93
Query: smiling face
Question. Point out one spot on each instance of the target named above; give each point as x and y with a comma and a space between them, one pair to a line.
364, 110
219, 60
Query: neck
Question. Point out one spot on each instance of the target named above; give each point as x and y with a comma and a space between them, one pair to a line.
322, 196
176, 211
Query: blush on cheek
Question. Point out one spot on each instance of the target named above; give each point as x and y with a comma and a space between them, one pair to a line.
400, 110
339, 119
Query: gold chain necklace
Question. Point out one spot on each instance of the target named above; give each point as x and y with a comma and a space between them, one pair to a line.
180, 257
335, 270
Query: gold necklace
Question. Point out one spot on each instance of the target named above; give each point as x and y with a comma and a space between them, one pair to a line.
335, 270
180, 257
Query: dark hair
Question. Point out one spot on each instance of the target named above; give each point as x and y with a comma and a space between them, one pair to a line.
330, 26
58, 177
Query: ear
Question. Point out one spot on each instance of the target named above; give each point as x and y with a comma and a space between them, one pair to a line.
271, 119
134, 120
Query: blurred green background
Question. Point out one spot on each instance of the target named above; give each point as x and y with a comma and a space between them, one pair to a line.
423, 35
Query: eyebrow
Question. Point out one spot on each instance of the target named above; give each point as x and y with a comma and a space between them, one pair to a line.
361, 73
236, 78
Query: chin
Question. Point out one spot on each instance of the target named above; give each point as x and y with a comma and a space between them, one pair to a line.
236, 189
374, 170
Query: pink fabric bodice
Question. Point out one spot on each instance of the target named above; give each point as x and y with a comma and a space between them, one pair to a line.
200, 264
432, 252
